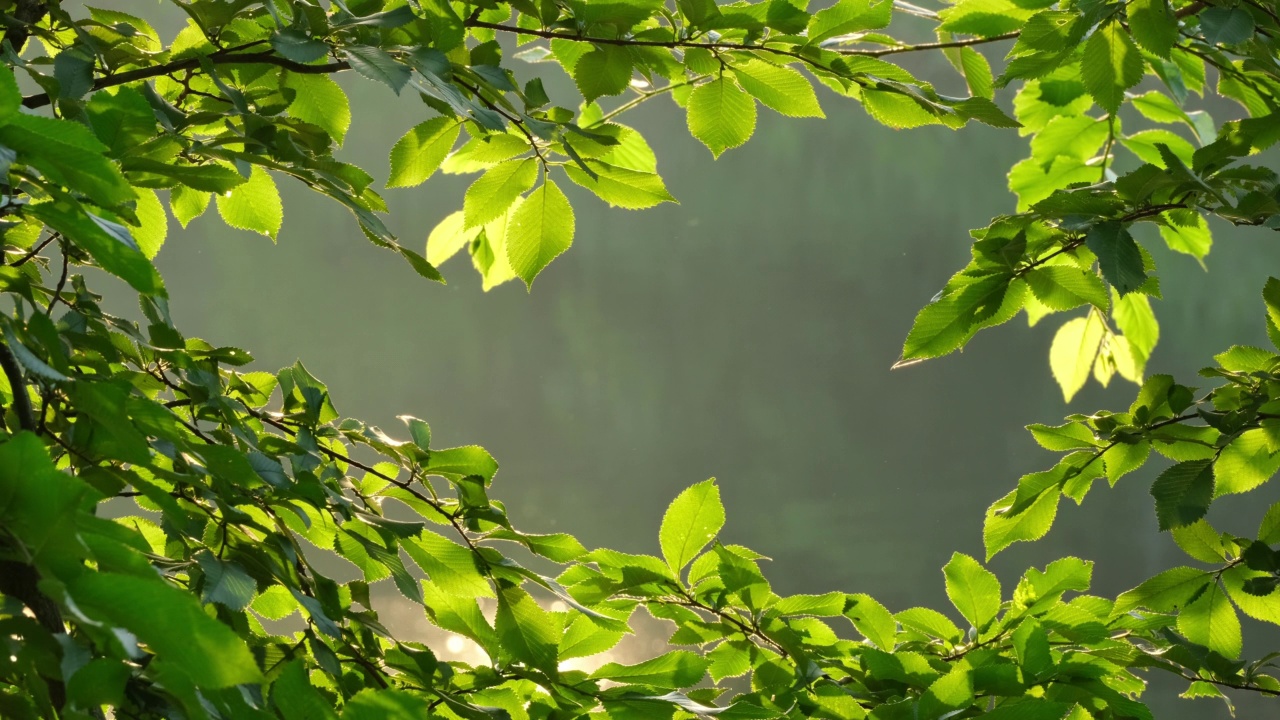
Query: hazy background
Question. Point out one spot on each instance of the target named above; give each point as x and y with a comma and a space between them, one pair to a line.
746, 334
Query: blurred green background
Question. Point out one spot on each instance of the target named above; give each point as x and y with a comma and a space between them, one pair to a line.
746, 334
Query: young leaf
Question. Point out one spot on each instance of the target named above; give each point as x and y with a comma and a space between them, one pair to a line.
721, 115
692, 520
1111, 65
493, 193
973, 590
448, 237
539, 230
417, 155
254, 206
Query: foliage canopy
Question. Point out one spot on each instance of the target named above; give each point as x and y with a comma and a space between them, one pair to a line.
242, 479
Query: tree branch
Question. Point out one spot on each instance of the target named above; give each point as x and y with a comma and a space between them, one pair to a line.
18, 385
217, 58
26, 13
631, 42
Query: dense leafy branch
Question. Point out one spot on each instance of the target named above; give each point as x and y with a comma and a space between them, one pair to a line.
242, 479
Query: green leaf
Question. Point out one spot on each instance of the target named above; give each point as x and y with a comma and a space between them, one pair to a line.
1245, 464
484, 152
1111, 65
209, 177
1063, 287
539, 230
1124, 459
948, 694
1118, 256
376, 64
948, 322
826, 605
295, 698
320, 101
1210, 620
463, 461
1134, 317
171, 623
225, 583
37, 502
977, 73
848, 16
872, 620
730, 658
124, 260
1183, 493
417, 155
606, 70
298, 46
1153, 25
1031, 643
10, 95
621, 187
584, 638
1226, 26
721, 115
450, 566
1003, 528
1060, 438
375, 704
676, 669
493, 193
530, 634
1200, 541
1195, 239
973, 590
153, 223
692, 520
986, 18
1074, 348
931, 623
780, 88
450, 236
68, 154
896, 110
254, 206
